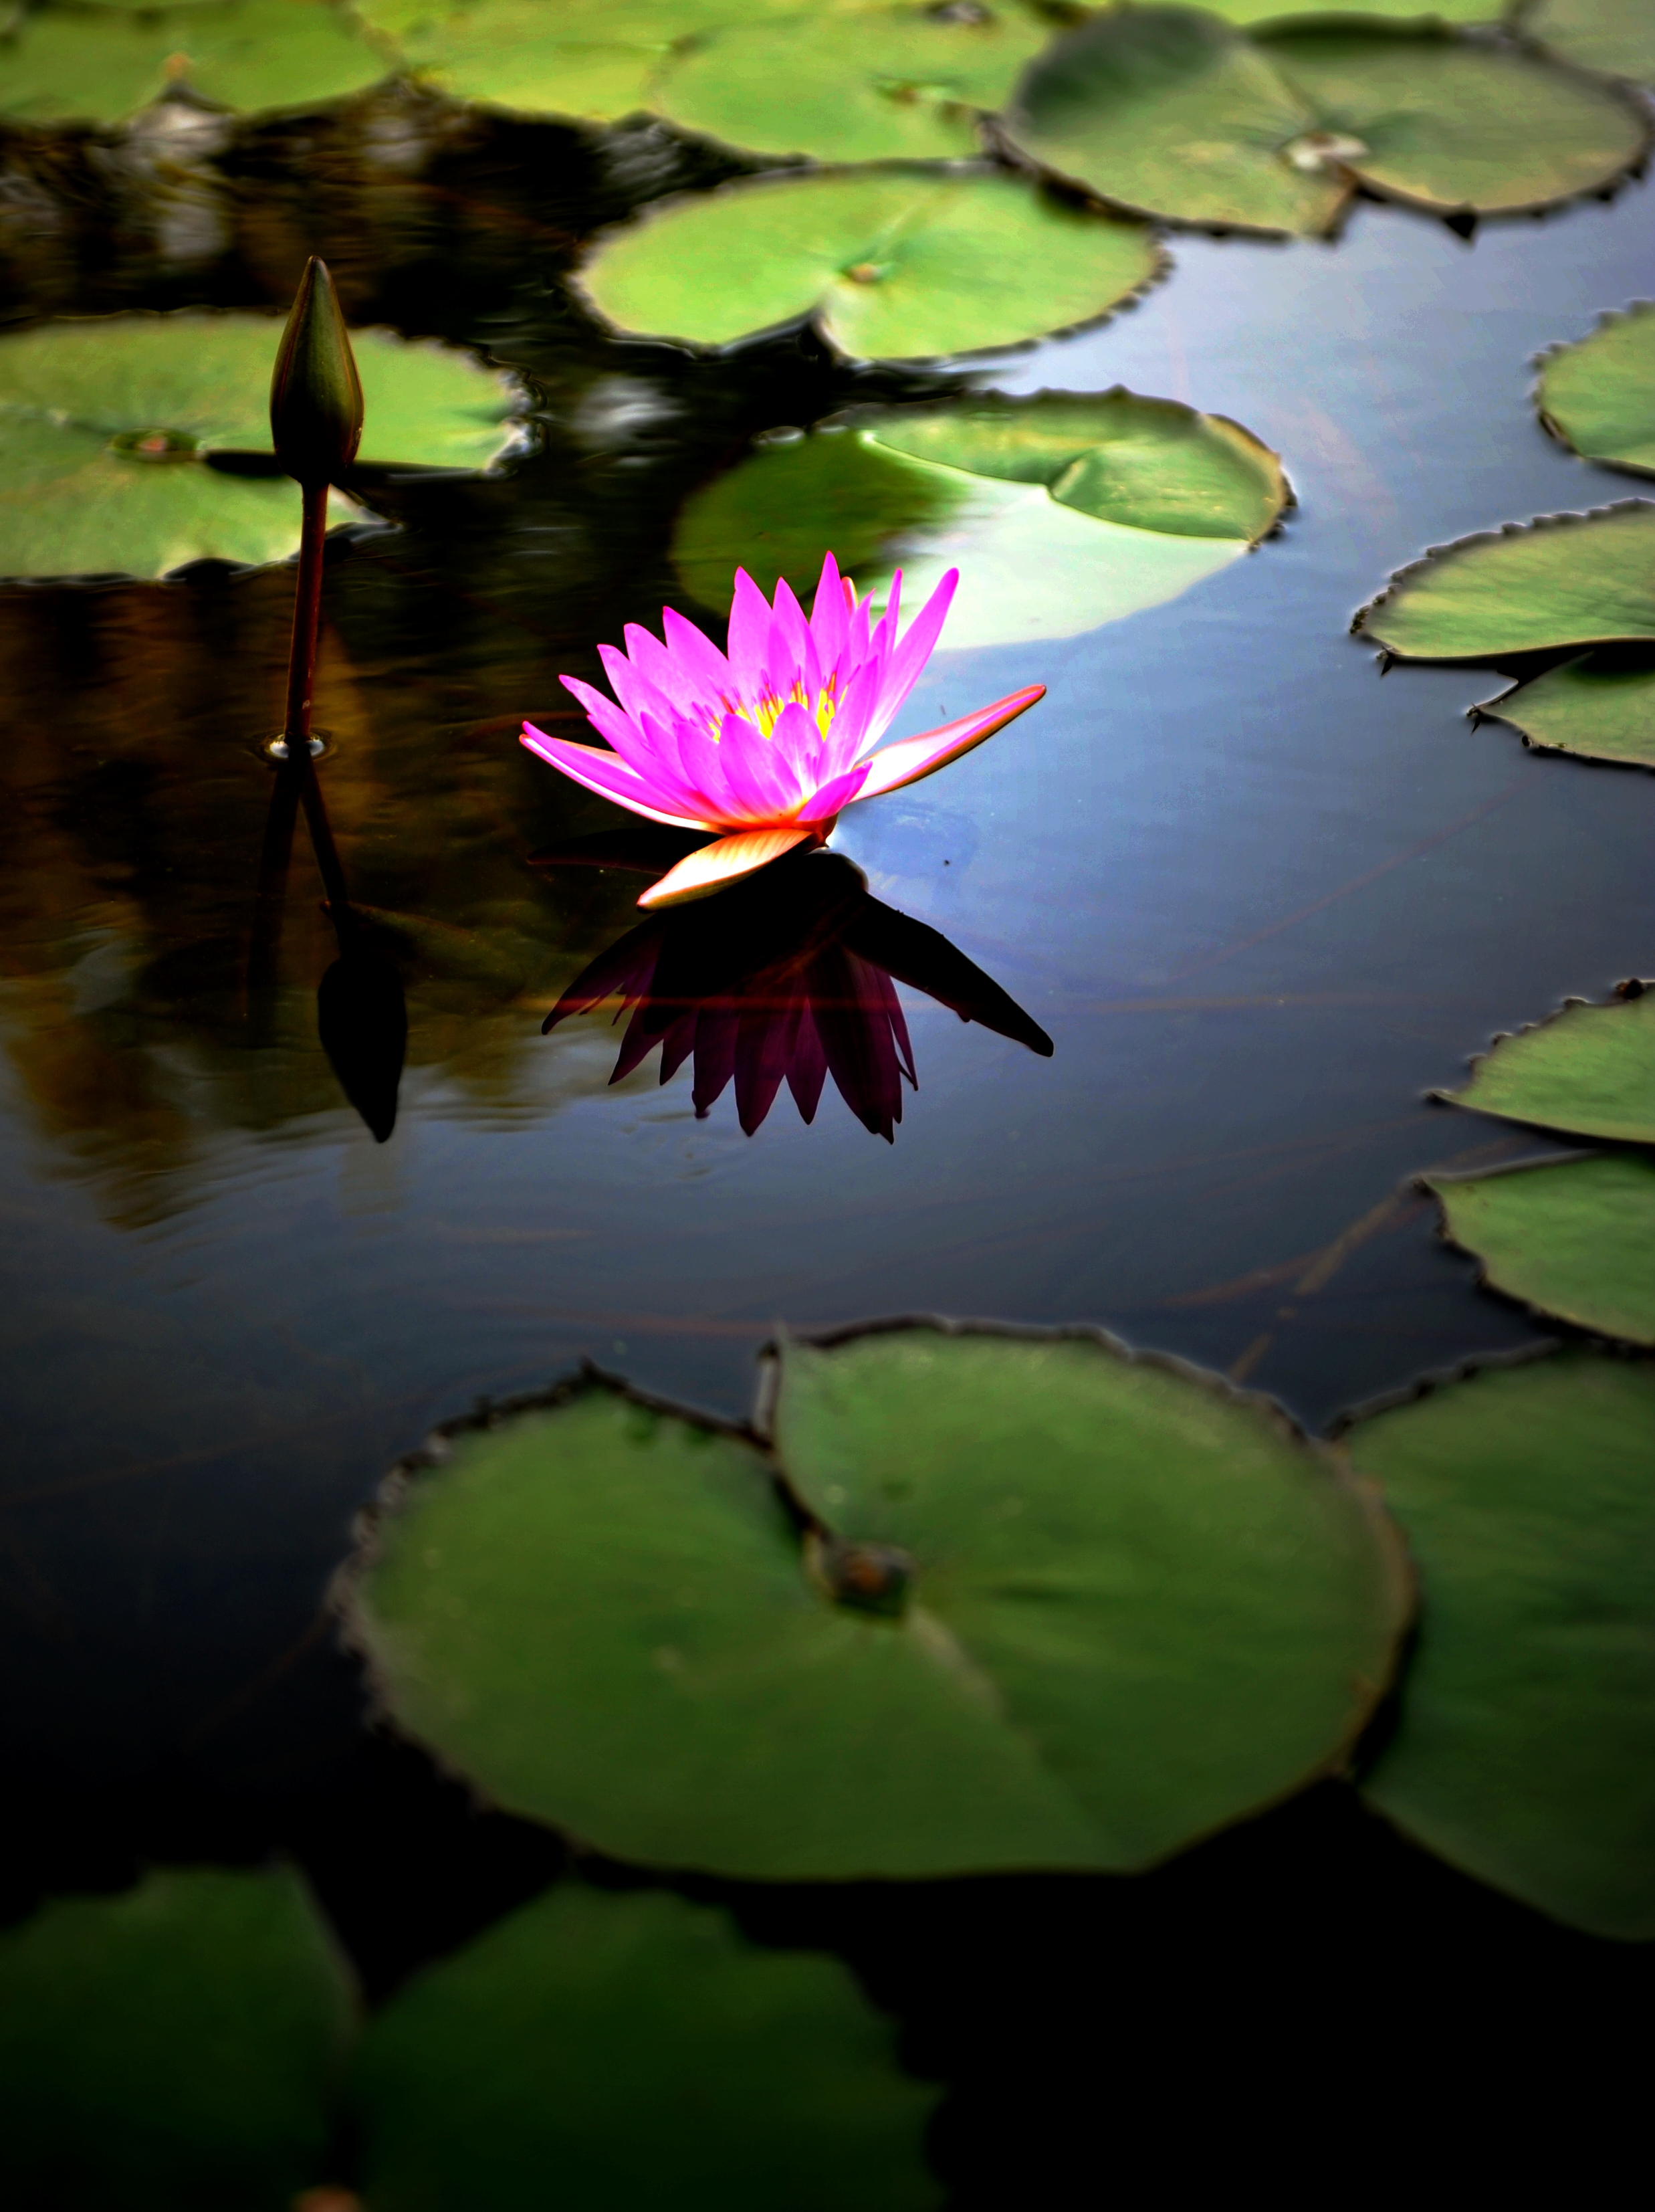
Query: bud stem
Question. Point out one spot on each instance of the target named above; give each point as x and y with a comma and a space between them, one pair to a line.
301, 685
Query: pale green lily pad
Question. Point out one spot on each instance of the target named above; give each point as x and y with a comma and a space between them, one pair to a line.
79, 401
1061, 512
891, 264
1172, 111
176, 2049
1251, 12
887, 82
1525, 1751
1561, 579
65, 63
1141, 1608
1573, 1238
1616, 36
633, 2049
1599, 397
592, 58
1593, 706
1590, 1072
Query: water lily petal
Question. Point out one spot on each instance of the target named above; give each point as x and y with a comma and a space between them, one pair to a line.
910, 758
909, 658
670, 674
822, 805
749, 636
829, 614
763, 787
607, 774
698, 653
612, 725
725, 861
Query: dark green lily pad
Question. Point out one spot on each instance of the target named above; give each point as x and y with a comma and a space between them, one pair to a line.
1525, 1751
1594, 706
1590, 1072
895, 82
622, 2050
1573, 1238
1599, 396
1561, 579
1079, 1610
1172, 111
890, 263
105, 425
63, 63
1062, 511
1616, 36
178, 2049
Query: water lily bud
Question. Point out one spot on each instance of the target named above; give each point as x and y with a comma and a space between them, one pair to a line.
316, 395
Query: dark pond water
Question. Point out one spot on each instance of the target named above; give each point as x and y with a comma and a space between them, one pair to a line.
1260, 900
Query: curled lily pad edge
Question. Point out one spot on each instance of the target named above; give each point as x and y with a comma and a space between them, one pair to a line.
1630, 988
1402, 1595
1570, 517
1607, 318
1160, 268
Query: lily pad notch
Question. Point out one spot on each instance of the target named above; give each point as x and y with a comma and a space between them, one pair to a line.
974, 1599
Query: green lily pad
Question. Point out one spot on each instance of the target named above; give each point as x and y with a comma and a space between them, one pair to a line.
1561, 580
1594, 706
595, 59
1080, 1610
891, 264
1616, 36
1573, 1238
1525, 1751
621, 2049
893, 82
1590, 1072
1599, 396
106, 426
1415, 12
1062, 511
63, 63
180, 2047
1172, 111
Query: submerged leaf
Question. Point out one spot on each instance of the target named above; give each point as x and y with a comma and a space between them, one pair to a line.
176, 2049
59, 63
890, 263
889, 83
1139, 1608
1172, 111
1562, 580
1596, 706
1590, 1072
1599, 396
1526, 1749
1062, 511
104, 424
633, 2049
1574, 1238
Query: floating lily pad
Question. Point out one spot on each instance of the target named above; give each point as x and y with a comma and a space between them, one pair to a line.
622, 2050
1061, 511
1172, 111
1616, 36
1599, 396
178, 2049
891, 264
1561, 579
1415, 12
1077, 1610
106, 424
1589, 1072
1594, 706
1525, 1751
63, 63
887, 82
1573, 1238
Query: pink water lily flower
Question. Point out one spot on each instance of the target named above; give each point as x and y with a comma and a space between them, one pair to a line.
766, 745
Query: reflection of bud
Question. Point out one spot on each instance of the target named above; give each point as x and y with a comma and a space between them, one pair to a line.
316, 395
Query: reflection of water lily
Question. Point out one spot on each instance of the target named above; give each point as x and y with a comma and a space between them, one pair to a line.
790, 979
765, 746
